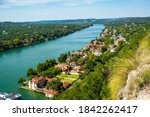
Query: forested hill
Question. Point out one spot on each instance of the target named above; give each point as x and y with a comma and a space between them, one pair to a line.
14, 35
122, 70
80, 21
75, 21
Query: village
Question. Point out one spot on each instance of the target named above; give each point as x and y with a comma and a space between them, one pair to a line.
73, 64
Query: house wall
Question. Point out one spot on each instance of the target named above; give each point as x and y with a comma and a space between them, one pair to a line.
32, 85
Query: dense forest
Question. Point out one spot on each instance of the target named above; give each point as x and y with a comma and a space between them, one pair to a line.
13, 35
106, 76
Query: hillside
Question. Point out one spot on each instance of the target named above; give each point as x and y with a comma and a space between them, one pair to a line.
116, 65
119, 74
132, 74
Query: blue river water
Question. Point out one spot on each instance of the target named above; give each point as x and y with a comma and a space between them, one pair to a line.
14, 63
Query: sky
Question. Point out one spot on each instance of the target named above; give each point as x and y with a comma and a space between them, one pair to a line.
35, 10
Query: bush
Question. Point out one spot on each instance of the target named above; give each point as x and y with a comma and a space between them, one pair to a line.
21, 81
55, 85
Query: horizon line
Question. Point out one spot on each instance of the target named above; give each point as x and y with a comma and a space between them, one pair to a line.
76, 19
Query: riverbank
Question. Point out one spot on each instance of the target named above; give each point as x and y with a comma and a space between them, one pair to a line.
34, 84
35, 34
23, 58
42, 80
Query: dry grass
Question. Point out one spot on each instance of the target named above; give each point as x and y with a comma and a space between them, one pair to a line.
118, 76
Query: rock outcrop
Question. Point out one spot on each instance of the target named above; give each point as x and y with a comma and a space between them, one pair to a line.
132, 90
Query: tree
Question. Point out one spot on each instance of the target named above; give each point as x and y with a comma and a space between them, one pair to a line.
75, 58
21, 81
41, 67
104, 49
31, 72
55, 85
17, 42
62, 58
51, 72
50, 63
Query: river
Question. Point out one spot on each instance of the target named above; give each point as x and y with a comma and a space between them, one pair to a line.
14, 63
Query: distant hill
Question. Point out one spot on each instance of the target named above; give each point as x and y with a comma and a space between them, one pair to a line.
78, 21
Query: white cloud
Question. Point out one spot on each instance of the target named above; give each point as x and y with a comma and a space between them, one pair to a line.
36, 2
26, 2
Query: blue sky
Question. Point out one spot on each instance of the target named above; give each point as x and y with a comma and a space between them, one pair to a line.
34, 10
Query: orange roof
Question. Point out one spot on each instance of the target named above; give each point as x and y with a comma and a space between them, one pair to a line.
90, 45
36, 79
77, 68
62, 65
51, 91
49, 79
66, 84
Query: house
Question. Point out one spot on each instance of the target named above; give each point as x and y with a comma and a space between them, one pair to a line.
66, 85
95, 45
111, 48
85, 55
113, 37
114, 31
33, 83
106, 30
97, 53
38, 82
102, 35
50, 93
62, 66
77, 53
120, 40
73, 64
68, 59
77, 68
95, 42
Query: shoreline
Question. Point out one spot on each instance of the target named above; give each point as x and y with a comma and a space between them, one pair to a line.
38, 91
44, 40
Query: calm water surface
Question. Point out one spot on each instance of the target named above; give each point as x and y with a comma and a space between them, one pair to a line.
15, 63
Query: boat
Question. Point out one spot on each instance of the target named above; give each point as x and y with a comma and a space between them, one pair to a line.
10, 96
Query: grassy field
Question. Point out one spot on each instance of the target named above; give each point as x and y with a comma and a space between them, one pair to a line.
68, 78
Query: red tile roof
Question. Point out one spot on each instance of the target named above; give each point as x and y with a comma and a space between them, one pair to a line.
66, 84
36, 79
77, 68
51, 92
92, 45
62, 66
